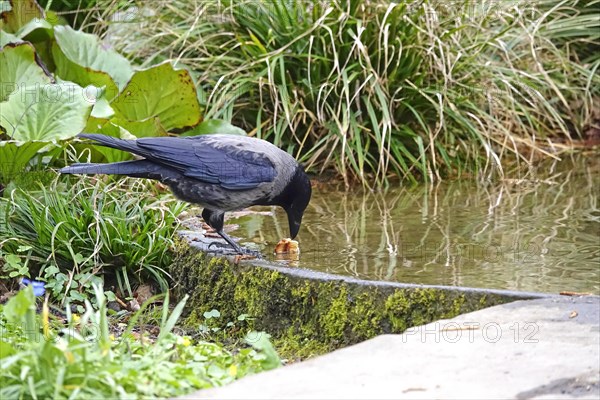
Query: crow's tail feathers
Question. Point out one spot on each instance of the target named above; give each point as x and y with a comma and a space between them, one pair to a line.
115, 143
136, 169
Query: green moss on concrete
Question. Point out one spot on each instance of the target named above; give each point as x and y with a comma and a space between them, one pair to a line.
365, 316
413, 307
309, 316
335, 318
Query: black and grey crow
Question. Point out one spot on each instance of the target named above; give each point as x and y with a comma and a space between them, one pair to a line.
218, 172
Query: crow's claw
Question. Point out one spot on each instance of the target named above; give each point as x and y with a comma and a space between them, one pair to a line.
249, 252
219, 245
237, 249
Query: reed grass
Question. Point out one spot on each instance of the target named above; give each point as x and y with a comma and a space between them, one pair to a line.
420, 90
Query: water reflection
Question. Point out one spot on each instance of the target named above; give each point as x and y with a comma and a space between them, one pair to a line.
538, 233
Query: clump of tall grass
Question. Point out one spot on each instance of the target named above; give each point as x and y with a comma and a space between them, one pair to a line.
73, 11
70, 233
372, 88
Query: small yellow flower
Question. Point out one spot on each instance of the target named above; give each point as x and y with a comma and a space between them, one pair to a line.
75, 318
184, 341
45, 319
72, 387
69, 356
232, 370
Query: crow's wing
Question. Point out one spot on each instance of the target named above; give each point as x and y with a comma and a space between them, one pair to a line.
227, 163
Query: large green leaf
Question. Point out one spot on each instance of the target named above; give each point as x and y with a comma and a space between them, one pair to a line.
106, 127
20, 66
215, 126
6, 38
44, 52
147, 128
82, 59
102, 109
123, 129
45, 112
22, 11
14, 157
36, 30
163, 92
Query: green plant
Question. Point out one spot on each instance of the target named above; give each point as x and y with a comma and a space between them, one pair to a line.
374, 89
13, 265
58, 82
81, 358
71, 235
213, 328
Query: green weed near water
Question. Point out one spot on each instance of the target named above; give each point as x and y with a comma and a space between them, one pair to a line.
73, 234
80, 359
373, 89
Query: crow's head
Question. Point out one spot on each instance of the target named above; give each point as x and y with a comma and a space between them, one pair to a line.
294, 199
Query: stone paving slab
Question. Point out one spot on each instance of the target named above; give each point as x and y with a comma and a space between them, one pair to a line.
532, 349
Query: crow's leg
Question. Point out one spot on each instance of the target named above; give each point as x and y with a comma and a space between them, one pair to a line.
229, 240
238, 249
216, 220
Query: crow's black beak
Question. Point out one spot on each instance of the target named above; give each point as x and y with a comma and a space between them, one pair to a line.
294, 220
297, 196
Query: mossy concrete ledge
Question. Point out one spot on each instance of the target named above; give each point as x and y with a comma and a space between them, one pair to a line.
307, 312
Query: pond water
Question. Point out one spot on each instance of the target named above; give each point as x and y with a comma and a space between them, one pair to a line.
540, 233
